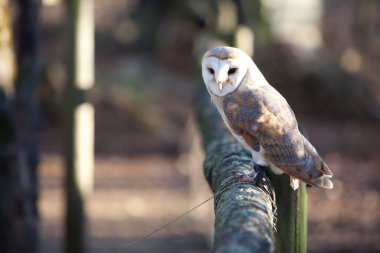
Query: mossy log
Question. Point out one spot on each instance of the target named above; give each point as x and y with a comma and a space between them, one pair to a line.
244, 213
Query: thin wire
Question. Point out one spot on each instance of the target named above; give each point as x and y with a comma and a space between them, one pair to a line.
174, 220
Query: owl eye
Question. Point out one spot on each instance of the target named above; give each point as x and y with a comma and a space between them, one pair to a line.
232, 71
211, 70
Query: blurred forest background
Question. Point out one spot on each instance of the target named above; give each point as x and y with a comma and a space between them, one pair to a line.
323, 56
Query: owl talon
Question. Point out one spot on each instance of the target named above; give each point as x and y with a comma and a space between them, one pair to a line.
257, 177
259, 174
246, 178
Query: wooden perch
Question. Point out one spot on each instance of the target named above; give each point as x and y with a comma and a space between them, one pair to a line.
243, 212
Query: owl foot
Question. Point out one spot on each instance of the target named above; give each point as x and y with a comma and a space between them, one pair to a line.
257, 177
259, 174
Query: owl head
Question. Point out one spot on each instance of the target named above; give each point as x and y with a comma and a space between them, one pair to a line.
223, 69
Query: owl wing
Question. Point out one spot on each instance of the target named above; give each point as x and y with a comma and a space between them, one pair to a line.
277, 130
263, 118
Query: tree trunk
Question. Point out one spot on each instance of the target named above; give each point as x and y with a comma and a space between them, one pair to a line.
79, 121
7, 74
19, 150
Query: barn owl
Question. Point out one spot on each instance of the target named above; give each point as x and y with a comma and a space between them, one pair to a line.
259, 117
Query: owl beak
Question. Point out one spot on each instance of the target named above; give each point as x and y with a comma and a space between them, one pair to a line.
221, 78
220, 85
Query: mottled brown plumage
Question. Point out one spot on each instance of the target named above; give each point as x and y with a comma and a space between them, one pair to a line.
261, 119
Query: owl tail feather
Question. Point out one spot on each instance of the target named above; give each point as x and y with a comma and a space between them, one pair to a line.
323, 182
325, 169
315, 171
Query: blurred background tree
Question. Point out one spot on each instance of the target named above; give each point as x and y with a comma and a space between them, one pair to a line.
7, 73
78, 121
19, 114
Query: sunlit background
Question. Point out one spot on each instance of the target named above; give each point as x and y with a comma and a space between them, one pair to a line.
323, 56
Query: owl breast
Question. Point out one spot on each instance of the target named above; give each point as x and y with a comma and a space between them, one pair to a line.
242, 115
